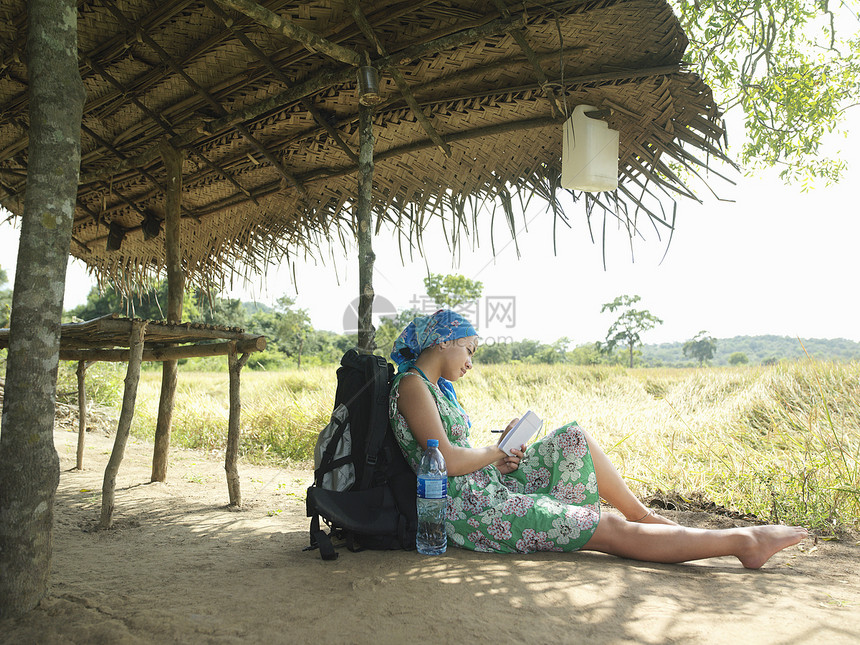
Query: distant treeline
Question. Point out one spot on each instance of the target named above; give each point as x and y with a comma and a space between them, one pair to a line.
292, 340
740, 350
757, 349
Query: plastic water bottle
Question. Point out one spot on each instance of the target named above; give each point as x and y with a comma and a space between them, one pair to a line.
432, 499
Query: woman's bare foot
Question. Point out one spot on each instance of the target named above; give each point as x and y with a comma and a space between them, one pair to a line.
652, 518
764, 541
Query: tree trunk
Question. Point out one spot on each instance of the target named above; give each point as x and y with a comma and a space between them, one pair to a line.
364, 233
631, 355
29, 466
175, 294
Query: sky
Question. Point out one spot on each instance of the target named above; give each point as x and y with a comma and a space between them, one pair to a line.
768, 259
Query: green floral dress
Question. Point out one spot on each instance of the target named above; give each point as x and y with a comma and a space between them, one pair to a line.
550, 503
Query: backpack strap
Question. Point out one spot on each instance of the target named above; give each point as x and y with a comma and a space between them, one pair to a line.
376, 372
320, 539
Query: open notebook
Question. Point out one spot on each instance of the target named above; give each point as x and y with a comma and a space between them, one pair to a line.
526, 428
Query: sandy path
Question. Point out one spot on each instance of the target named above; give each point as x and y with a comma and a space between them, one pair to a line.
181, 568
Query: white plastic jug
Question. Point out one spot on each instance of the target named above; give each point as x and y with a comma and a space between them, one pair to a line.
589, 158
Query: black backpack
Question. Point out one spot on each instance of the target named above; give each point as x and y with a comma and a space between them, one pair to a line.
363, 488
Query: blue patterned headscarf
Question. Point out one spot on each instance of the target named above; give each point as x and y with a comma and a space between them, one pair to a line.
426, 331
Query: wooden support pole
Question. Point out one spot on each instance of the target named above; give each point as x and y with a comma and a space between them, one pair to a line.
178, 69
278, 74
364, 229
175, 293
516, 34
172, 231
132, 378
403, 86
399, 79
313, 42
82, 413
549, 92
235, 365
156, 118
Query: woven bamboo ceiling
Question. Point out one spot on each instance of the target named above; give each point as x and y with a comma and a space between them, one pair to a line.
474, 95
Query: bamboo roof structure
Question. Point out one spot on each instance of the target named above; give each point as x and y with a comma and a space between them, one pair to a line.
263, 100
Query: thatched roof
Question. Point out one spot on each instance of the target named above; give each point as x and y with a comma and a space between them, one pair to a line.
270, 127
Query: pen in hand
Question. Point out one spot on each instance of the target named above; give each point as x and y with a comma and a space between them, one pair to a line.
499, 431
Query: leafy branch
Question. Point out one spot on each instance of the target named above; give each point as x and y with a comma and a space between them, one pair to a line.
791, 66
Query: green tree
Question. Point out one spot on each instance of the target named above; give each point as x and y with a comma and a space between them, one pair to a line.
452, 290
294, 325
389, 329
225, 312
286, 328
99, 303
5, 300
629, 326
525, 350
494, 353
146, 305
790, 66
589, 354
327, 346
555, 353
738, 358
701, 347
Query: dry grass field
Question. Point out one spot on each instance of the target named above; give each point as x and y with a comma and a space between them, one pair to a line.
780, 442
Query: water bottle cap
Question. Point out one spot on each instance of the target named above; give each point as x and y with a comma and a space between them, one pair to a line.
432, 443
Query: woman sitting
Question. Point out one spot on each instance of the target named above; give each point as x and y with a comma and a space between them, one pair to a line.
545, 497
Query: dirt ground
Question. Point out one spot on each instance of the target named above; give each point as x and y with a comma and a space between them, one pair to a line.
179, 567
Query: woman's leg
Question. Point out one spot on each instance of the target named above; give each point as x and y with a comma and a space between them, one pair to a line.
753, 546
614, 490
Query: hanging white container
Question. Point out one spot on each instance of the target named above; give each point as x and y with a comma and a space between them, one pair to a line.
589, 158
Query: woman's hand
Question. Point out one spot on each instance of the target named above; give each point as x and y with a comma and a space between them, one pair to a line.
507, 430
509, 464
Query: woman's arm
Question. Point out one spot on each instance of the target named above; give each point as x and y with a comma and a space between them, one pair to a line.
418, 407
